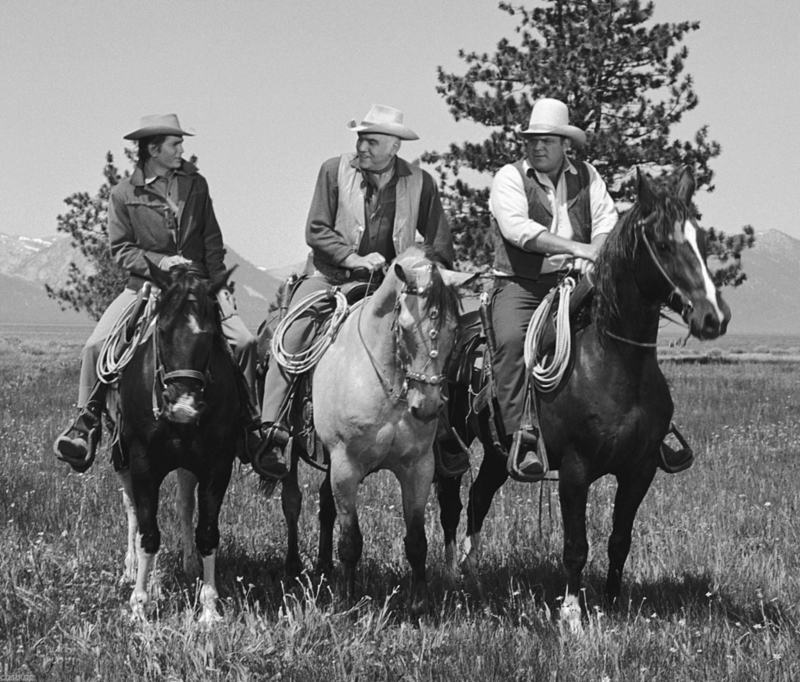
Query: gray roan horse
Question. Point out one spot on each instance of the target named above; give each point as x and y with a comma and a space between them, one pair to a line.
611, 413
377, 393
180, 410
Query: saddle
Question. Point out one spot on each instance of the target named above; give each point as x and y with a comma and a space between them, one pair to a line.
471, 364
297, 409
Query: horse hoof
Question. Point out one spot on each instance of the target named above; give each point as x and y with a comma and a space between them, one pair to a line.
469, 565
209, 618
570, 617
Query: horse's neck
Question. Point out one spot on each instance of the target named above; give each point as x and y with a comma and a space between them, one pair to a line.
638, 318
375, 320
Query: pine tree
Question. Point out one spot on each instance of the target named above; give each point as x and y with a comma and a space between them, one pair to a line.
96, 279
624, 82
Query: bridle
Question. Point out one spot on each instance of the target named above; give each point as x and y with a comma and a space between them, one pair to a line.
162, 378
686, 302
433, 353
676, 291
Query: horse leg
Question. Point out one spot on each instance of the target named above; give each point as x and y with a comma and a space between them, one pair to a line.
490, 478
145, 487
344, 480
573, 494
129, 571
415, 485
209, 502
631, 490
292, 501
327, 518
448, 493
184, 504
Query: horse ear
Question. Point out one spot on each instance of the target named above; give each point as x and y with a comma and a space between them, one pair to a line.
216, 283
455, 279
644, 193
686, 185
161, 279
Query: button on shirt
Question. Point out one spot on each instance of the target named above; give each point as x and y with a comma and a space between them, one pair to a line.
508, 203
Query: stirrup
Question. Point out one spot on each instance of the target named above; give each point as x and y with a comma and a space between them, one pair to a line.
269, 461
79, 452
530, 467
674, 461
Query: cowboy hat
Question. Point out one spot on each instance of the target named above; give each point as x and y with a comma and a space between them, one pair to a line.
551, 117
164, 124
382, 119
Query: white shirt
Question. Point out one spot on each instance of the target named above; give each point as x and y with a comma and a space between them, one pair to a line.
509, 206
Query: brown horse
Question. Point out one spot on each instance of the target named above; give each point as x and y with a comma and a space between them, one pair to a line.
612, 412
377, 392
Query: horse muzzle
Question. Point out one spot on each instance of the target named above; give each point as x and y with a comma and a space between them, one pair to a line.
182, 407
708, 321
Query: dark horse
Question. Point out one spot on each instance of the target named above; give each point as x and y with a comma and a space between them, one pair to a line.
180, 410
611, 413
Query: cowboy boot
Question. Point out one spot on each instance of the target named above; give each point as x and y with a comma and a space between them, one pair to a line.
530, 462
79, 449
269, 459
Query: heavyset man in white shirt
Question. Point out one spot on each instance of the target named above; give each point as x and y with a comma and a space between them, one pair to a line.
550, 215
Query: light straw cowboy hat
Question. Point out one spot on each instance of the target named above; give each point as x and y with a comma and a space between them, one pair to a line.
551, 117
158, 124
382, 119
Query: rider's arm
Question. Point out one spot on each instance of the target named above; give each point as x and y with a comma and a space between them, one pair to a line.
604, 213
320, 235
432, 223
212, 236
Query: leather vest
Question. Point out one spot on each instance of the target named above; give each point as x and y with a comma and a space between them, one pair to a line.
510, 258
350, 213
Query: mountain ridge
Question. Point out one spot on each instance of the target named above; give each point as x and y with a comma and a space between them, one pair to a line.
764, 304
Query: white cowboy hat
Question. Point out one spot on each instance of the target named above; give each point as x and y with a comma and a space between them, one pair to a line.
158, 124
383, 119
551, 117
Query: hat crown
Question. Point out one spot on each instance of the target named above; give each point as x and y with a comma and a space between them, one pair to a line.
380, 113
160, 121
549, 113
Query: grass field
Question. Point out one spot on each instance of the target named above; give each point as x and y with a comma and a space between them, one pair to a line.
710, 592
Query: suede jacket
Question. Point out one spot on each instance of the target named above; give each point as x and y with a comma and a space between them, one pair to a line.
141, 223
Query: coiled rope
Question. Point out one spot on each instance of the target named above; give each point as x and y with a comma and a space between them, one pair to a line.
548, 376
117, 351
297, 363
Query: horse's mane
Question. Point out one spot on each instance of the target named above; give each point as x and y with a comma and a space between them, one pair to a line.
189, 285
618, 252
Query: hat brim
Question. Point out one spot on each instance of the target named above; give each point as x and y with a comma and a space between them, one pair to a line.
571, 132
149, 131
396, 129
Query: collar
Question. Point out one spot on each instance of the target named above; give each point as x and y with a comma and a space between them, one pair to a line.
138, 179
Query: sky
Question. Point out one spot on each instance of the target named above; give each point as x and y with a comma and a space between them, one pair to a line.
268, 87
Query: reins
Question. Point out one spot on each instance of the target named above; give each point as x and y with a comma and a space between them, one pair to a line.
676, 290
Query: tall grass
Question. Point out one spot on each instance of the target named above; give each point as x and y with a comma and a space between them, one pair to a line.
710, 591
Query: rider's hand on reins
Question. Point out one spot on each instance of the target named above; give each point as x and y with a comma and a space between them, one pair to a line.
171, 261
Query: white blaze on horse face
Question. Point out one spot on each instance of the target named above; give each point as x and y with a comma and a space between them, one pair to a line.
690, 233
194, 325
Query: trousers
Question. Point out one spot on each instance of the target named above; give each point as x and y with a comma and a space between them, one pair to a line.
514, 300
238, 336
